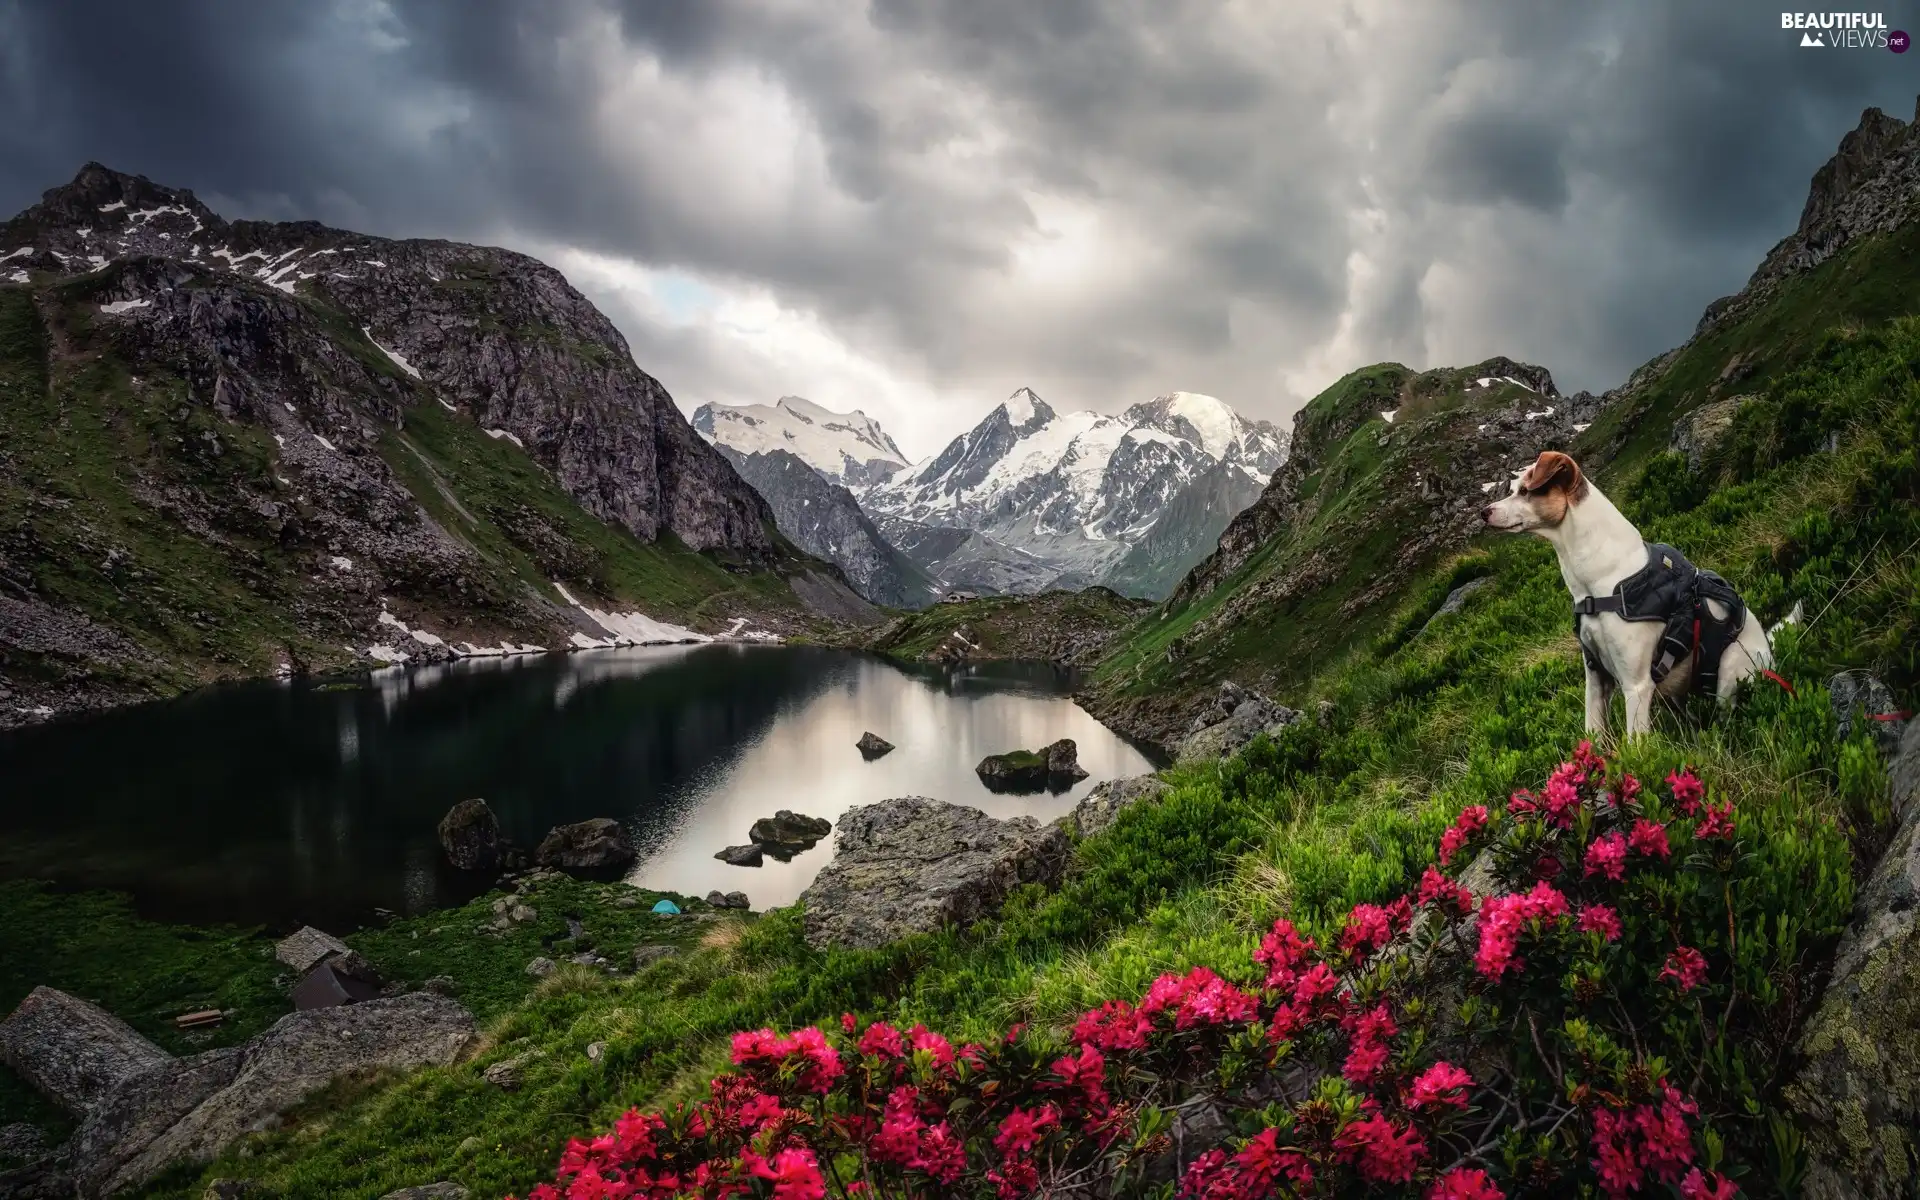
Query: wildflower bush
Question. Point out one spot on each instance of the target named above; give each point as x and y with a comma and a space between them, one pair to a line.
1584, 992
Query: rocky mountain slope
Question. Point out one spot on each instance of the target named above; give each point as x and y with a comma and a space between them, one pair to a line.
824, 519
1074, 491
1389, 466
236, 448
848, 448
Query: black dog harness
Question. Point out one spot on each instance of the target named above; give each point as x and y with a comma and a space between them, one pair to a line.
1672, 590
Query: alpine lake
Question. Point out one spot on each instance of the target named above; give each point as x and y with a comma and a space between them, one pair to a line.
289, 802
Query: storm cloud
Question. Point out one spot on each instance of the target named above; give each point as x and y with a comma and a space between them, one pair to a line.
915, 206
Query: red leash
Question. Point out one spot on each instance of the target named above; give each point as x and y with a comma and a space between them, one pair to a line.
1783, 683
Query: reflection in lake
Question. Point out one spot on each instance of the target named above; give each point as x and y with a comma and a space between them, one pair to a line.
292, 802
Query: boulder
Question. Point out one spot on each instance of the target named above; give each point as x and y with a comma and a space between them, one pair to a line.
540, 968
306, 948
912, 865
76, 1054
1857, 1093
470, 834
429, 1191
508, 1072
788, 828
586, 846
189, 1110
1456, 600
1107, 800
233, 1189
647, 955
1700, 432
1051, 768
742, 856
717, 898
737, 900
872, 746
1247, 716
1858, 695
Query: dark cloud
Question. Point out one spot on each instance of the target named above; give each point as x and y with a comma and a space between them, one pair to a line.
916, 207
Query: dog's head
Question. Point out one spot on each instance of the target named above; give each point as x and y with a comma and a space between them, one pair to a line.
1540, 496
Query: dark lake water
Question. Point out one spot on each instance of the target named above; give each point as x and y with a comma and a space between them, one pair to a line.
280, 803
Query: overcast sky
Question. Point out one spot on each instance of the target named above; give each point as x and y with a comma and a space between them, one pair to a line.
915, 206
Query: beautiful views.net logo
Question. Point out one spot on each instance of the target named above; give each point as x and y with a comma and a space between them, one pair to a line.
1845, 30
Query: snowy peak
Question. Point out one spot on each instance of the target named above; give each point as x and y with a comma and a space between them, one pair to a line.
848, 448
1213, 426
1026, 411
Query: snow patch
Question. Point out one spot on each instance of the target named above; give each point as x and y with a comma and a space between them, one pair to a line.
16, 252
1545, 412
120, 306
1487, 487
19, 277
398, 360
116, 206
324, 442
1582, 428
97, 261
443, 404
1210, 416
279, 441
1389, 416
626, 629
497, 434
341, 564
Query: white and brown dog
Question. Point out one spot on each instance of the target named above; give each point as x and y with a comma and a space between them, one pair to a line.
1615, 576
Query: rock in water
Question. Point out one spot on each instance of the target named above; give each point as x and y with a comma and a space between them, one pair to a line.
741, 856
76, 1054
1104, 804
1014, 771
1858, 1094
788, 828
470, 834
1063, 762
872, 746
1056, 767
306, 948
598, 844
913, 865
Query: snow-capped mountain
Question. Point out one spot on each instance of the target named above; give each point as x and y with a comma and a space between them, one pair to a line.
1075, 490
848, 448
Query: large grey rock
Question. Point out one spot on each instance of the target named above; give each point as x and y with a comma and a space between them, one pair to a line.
593, 845
470, 835
871, 745
1858, 1094
1054, 767
220, 1096
1247, 716
1701, 431
1104, 804
913, 865
749, 855
1456, 600
142, 1110
789, 828
307, 947
75, 1053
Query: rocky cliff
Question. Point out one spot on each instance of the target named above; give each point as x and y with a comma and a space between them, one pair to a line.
823, 518
239, 448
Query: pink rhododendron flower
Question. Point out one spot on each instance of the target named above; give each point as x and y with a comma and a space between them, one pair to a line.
1382, 1154
922, 1038
1685, 966
1437, 889
1281, 952
1022, 1129
1708, 1186
1607, 856
1600, 919
882, 1040
1318, 983
795, 1174
1717, 823
1649, 838
1115, 1025
1522, 803
1472, 820
1262, 1163
1368, 928
1561, 799
1688, 791
1442, 1084
1465, 1183
942, 1154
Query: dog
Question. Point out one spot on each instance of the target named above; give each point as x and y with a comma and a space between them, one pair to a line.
1615, 575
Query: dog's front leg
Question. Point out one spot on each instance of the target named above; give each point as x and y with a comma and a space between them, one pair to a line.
1599, 699
1639, 707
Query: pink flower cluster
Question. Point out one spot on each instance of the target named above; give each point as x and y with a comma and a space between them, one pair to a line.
876, 1110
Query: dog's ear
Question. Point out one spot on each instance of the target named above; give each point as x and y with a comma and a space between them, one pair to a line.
1555, 470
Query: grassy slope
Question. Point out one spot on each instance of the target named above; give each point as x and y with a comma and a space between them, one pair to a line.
1482, 703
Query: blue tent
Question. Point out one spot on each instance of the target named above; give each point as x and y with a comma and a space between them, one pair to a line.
668, 907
